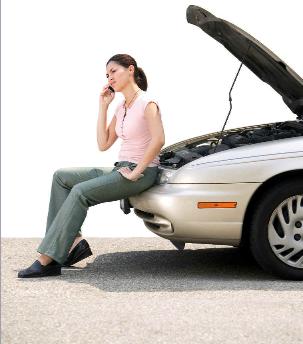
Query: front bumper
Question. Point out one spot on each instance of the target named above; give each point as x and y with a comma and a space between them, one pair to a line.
171, 211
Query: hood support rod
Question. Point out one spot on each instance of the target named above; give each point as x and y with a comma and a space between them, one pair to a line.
230, 101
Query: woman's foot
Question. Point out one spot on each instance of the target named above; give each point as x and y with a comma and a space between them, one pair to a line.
80, 251
47, 266
44, 260
39, 270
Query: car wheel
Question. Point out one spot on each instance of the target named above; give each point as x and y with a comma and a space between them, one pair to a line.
276, 237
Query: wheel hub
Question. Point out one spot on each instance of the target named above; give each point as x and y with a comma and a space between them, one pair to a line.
285, 231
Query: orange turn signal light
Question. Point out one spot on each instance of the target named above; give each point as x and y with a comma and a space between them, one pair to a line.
204, 205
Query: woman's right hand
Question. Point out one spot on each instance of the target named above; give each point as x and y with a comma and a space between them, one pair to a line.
106, 96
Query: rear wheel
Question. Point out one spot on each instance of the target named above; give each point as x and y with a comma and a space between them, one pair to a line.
276, 237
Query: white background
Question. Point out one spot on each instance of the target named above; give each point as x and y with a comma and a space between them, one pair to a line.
53, 68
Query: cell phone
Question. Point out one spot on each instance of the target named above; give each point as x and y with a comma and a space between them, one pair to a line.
111, 89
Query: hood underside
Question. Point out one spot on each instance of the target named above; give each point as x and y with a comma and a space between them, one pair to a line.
254, 55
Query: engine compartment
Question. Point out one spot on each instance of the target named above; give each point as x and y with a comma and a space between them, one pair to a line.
186, 151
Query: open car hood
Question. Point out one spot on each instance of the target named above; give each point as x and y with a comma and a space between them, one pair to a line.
254, 55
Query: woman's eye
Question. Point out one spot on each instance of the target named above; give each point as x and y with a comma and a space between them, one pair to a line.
108, 74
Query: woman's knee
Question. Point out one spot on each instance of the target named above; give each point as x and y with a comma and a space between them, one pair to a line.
61, 175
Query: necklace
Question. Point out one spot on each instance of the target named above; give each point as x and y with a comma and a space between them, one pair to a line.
131, 99
126, 110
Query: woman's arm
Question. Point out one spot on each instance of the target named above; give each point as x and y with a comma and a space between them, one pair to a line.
102, 131
155, 125
105, 137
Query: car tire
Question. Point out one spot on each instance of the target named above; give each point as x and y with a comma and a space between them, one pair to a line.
276, 235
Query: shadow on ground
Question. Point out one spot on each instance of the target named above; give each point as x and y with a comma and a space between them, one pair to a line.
172, 270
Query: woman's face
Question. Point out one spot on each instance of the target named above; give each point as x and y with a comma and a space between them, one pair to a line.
118, 76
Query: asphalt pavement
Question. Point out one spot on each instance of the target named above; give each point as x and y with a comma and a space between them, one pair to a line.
143, 290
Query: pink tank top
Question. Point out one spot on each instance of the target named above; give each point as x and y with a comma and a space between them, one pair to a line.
133, 130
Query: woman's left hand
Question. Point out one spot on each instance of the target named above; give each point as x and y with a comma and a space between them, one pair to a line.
129, 174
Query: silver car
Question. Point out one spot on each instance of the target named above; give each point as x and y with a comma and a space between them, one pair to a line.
241, 187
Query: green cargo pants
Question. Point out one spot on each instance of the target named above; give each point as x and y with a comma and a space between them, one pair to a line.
76, 189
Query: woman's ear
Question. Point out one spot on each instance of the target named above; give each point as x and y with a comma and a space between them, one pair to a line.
131, 68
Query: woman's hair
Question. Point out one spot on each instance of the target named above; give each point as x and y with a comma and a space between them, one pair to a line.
126, 60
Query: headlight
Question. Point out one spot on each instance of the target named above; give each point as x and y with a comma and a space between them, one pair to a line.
164, 176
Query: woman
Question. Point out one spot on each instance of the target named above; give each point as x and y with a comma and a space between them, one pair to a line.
137, 121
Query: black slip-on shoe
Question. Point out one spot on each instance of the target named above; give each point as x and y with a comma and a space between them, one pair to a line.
39, 270
79, 252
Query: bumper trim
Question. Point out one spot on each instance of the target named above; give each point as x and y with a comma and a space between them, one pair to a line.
155, 223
